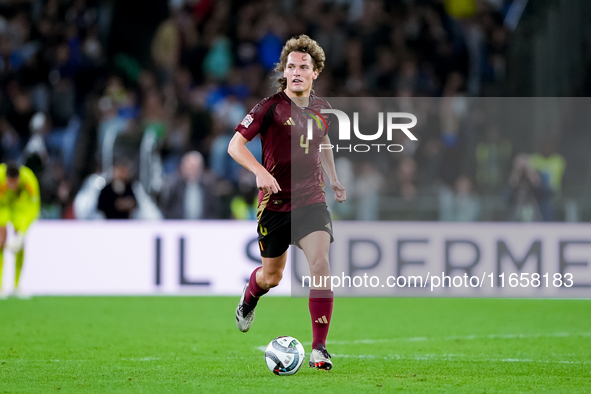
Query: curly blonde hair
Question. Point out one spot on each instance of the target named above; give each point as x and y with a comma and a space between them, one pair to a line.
304, 44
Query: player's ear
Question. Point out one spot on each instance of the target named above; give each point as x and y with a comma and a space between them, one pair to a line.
315, 74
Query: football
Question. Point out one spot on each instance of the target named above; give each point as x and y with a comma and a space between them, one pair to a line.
284, 355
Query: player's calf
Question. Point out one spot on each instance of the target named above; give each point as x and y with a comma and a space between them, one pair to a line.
271, 280
250, 297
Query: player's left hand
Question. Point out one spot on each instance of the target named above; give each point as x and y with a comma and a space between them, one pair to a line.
17, 243
340, 194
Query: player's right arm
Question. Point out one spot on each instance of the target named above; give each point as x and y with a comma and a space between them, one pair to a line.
4, 206
257, 121
239, 152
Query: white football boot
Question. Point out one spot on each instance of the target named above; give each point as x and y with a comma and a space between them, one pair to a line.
320, 359
244, 313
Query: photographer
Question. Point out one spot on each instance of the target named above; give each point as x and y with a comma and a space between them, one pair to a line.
528, 194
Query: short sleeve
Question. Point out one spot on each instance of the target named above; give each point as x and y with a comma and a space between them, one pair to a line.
256, 120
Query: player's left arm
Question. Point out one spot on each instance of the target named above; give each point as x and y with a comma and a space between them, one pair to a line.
327, 160
30, 200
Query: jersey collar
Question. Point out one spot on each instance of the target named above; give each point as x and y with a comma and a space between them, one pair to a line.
286, 97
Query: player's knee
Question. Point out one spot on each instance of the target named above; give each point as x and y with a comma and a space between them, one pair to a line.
319, 266
272, 279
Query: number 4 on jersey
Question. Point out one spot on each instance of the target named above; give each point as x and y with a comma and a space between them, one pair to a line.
303, 144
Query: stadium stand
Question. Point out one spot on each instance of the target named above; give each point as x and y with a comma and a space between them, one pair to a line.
80, 89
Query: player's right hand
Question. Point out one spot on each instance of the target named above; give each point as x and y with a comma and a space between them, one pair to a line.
267, 183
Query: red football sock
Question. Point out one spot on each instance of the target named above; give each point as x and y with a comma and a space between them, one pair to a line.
254, 291
320, 305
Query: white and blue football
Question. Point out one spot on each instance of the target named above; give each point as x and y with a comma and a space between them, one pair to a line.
285, 355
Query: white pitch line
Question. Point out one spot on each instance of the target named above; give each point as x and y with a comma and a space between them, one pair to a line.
447, 357
22, 360
453, 357
141, 359
455, 338
451, 338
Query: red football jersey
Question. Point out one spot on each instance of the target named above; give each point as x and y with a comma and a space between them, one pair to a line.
288, 154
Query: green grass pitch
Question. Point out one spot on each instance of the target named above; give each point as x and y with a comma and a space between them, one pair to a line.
191, 344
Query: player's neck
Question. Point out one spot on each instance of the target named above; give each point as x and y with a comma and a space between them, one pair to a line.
300, 99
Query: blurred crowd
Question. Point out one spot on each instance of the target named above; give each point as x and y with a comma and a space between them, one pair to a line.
119, 128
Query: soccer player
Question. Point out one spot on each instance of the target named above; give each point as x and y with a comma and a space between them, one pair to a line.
19, 204
292, 207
